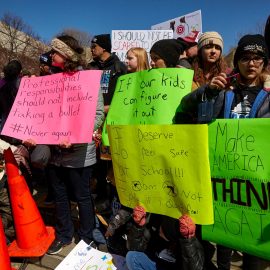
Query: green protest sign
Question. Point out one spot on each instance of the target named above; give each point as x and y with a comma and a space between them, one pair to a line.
148, 97
239, 159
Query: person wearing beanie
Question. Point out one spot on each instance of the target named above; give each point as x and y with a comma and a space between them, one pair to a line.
241, 97
191, 51
103, 41
210, 38
71, 165
112, 68
66, 53
165, 53
209, 61
103, 59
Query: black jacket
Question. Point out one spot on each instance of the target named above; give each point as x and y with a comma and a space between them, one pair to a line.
113, 69
190, 108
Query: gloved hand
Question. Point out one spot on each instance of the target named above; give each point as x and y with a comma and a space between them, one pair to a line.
139, 215
186, 226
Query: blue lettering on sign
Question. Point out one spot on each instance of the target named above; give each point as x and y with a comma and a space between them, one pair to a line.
104, 82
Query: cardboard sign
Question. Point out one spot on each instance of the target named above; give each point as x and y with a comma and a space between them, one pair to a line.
55, 108
148, 97
239, 159
183, 25
164, 168
123, 40
83, 257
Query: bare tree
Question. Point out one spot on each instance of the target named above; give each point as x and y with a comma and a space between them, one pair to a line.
83, 38
20, 42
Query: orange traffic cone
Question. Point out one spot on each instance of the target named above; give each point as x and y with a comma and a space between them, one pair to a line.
32, 237
4, 258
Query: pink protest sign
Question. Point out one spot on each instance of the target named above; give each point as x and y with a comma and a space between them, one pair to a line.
55, 108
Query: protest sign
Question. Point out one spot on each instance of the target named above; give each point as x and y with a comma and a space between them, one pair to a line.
123, 40
240, 171
148, 97
83, 257
164, 168
55, 108
183, 25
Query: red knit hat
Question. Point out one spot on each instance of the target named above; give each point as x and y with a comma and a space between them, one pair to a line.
186, 226
139, 215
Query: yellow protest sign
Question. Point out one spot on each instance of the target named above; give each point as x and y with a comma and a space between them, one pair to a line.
165, 168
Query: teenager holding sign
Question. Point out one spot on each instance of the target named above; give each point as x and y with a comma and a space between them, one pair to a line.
72, 165
216, 99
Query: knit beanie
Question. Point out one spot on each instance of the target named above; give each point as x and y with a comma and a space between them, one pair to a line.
104, 41
210, 38
251, 43
169, 50
186, 226
139, 215
62, 48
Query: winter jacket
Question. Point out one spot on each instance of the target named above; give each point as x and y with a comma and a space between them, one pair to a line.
137, 236
113, 68
192, 254
210, 103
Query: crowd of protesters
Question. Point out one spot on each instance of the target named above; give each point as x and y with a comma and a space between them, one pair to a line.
148, 241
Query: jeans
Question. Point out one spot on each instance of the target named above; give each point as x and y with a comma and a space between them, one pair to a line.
139, 261
75, 180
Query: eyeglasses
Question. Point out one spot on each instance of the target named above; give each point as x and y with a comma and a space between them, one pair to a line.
257, 60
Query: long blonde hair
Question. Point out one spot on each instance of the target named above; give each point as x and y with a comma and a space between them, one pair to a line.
142, 58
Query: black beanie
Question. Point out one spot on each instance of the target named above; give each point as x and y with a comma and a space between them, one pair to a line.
251, 43
169, 50
104, 41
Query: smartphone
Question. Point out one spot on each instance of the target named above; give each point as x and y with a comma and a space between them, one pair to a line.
231, 80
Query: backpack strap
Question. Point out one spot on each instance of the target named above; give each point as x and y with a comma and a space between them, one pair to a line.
258, 103
229, 96
260, 98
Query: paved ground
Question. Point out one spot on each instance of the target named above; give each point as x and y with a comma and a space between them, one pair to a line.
50, 262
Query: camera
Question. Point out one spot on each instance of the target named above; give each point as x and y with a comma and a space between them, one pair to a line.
46, 59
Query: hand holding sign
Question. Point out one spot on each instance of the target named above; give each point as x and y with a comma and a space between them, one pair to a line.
55, 108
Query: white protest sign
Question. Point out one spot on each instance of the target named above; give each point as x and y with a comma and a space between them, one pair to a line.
182, 25
123, 40
83, 257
